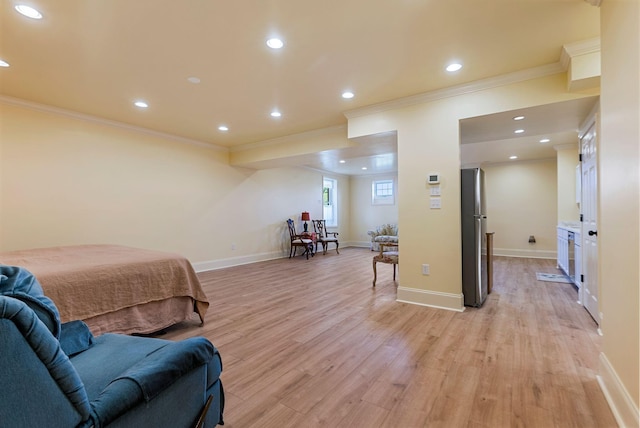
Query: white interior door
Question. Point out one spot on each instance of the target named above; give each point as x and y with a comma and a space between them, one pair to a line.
590, 222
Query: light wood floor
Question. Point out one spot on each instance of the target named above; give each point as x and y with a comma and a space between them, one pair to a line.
309, 343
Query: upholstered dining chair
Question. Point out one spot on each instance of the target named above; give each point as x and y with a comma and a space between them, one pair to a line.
388, 254
325, 238
299, 241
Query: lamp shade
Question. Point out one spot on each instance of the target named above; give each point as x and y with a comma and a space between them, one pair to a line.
305, 216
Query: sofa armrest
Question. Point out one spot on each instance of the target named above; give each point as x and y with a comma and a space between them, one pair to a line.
48, 350
149, 377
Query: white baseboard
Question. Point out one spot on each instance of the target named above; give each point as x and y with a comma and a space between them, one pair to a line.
236, 261
529, 254
254, 258
624, 409
359, 244
433, 299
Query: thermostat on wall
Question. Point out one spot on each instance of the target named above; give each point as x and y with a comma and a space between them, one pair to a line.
433, 178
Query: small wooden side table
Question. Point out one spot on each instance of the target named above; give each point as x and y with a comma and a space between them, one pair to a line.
314, 237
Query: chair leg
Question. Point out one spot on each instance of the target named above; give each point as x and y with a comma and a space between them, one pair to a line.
375, 273
394, 272
337, 245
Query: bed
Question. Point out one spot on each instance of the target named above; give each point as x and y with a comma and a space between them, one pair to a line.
115, 288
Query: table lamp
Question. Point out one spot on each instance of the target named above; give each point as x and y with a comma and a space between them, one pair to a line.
305, 218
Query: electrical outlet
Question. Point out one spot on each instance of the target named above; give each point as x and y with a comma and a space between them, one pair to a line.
425, 269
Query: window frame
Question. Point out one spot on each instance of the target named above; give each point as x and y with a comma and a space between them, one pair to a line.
331, 193
389, 186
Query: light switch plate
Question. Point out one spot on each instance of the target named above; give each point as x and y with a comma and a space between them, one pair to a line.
434, 191
435, 203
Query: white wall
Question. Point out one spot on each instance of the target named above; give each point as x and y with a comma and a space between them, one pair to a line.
568, 209
428, 140
69, 181
365, 215
619, 206
521, 201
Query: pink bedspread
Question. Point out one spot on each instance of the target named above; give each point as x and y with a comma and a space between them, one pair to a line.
86, 281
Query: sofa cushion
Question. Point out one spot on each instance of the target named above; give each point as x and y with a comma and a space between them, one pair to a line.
20, 284
385, 238
385, 229
75, 337
114, 354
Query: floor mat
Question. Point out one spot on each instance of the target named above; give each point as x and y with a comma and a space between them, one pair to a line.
553, 277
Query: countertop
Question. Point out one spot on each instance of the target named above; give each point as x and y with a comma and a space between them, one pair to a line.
573, 226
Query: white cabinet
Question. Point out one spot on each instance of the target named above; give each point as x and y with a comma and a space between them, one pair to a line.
563, 249
570, 253
578, 260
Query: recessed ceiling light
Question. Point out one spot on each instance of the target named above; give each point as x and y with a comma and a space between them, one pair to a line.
28, 11
513, 157
545, 140
454, 67
518, 131
347, 94
276, 114
4, 63
275, 43
141, 104
342, 161
194, 80
518, 118
364, 168
223, 128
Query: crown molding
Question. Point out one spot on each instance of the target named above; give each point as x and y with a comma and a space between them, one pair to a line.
573, 50
101, 121
516, 161
567, 146
290, 138
454, 91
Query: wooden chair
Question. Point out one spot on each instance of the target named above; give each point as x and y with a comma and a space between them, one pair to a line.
325, 238
389, 256
298, 241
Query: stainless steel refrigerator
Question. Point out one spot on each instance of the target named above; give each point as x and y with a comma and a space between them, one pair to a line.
474, 237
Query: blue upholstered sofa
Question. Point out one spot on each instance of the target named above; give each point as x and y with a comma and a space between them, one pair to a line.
59, 375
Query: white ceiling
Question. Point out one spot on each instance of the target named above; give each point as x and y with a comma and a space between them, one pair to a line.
97, 57
491, 138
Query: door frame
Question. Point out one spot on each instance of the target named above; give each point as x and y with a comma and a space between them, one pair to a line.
591, 124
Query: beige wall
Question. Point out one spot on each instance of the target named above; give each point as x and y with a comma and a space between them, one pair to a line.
568, 209
70, 181
521, 201
619, 214
428, 141
366, 216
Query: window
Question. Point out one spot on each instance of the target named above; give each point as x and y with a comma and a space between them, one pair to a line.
330, 201
382, 192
